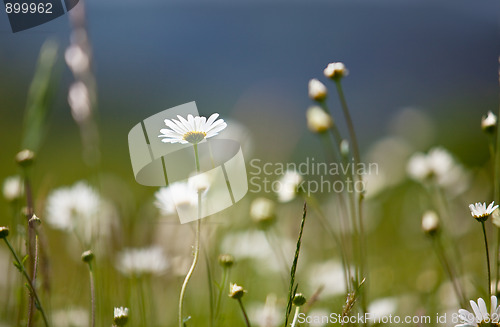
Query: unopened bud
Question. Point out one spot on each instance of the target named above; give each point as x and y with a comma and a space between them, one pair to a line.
317, 90
489, 123
25, 158
120, 316
336, 70
87, 256
318, 120
4, 232
430, 222
299, 299
226, 260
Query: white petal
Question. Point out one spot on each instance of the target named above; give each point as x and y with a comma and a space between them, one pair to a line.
187, 125
466, 316
174, 126
211, 119
494, 303
476, 310
482, 307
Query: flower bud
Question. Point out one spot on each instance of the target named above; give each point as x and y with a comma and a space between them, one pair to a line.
336, 70
317, 90
226, 260
25, 158
489, 123
120, 316
430, 223
34, 221
299, 299
87, 257
4, 232
236, 292
318, 120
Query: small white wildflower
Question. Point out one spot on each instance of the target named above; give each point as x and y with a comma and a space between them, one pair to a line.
318, 120
430, 222
77, 59
77, 209
480, 211
262, 210
317, 90
266, 315
489, 123
175, 195
236, 291
142, 261
289, 184
480, 315
193, 130
13, 188
79, 102
335, 70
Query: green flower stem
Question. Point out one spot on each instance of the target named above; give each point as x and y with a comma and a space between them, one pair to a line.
196, 244
92, 292
496, 188
447, 267
222, 287
357, 159
30, 283
296, 316
244, 313
487, 259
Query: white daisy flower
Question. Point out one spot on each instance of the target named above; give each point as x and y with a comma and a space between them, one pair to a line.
480, 211
289, 184
13, 188
193, 130
78, 208
480, 315
141, 261
175, 195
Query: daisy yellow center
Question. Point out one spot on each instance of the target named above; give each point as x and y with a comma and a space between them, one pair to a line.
194, 137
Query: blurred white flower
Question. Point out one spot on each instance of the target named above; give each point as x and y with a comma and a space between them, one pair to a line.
383, 307
481, 316
439, 165
262, 209
72, 317
328, 275
335, 70
178, 194
254, 245
78, 208
267, 315
193, 130
289, 184
141, 261
480, 211
13, 188
317, 90
430, 222
77, 59
318, 121
79, 101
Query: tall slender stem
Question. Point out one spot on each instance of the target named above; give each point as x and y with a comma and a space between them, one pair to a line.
244, 313
92, 292
487, 259
496, 188
296, 316
196, 244
30, 283
447, 267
